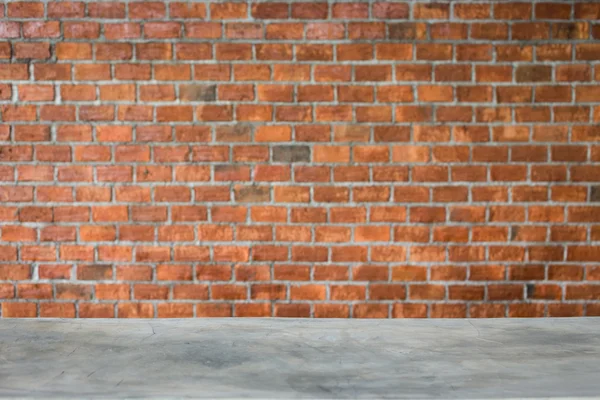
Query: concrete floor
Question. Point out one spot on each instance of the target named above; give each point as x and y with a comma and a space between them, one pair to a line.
283, 358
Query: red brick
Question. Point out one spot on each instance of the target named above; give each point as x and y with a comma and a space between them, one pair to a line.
323, 30
11, 30
38, 29
448, 311
310, 10
409, 310
111, 9
552, 11
213, 310
175, 310
269, 10
135, 310
25, 9
390, 10
19, 310
187, 10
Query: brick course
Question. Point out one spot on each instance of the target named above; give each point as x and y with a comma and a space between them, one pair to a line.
299, 159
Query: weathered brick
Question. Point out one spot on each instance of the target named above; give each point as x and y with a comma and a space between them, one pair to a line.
291, 154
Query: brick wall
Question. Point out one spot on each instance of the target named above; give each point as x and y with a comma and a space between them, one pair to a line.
366, 159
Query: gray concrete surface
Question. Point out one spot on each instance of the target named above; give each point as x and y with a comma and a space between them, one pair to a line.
282, 358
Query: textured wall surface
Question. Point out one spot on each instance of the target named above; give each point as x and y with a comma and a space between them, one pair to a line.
366, 159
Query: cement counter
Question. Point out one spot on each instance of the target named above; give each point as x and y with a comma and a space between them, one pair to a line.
283, 358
